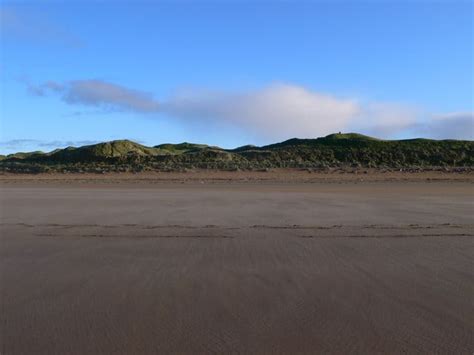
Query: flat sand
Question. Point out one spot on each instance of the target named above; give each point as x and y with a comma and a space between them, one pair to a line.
250, 266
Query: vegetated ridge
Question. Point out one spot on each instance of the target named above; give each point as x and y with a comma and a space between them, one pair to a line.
349, 150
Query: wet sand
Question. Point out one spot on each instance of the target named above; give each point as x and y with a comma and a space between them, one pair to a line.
257, 267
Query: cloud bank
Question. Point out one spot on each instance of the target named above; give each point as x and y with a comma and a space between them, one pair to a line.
275, 111
459, 125
278, 111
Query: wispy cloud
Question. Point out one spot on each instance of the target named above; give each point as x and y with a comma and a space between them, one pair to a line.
22, 22
59, 144
16, 144
98, 93
277, 111
27, 144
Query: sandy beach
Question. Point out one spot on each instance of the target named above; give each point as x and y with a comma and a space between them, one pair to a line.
255, 266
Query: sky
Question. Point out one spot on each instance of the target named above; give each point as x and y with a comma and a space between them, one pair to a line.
231, 73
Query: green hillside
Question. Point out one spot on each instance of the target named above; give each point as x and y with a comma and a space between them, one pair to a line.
101, 151
335, 150
179, 148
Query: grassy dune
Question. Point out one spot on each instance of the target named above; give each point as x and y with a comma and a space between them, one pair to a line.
334, 150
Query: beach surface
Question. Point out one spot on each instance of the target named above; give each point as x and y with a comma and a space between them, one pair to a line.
145, 265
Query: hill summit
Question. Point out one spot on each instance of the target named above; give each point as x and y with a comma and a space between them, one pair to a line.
350, 136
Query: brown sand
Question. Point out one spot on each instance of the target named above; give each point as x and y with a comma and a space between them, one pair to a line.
136, 268
281, 176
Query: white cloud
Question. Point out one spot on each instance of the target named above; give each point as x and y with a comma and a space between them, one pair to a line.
277, 111
384, 119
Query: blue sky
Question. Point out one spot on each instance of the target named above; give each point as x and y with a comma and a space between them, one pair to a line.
230, 73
